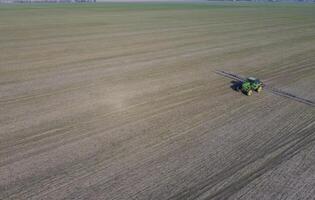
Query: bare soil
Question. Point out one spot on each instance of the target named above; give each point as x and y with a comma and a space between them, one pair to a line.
121, 101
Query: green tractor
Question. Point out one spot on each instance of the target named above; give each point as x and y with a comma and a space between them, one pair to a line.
251, 84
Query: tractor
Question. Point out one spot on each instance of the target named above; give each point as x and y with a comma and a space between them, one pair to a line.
251, 84
248, 85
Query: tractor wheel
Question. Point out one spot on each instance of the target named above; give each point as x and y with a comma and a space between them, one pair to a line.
249, 93
259, 89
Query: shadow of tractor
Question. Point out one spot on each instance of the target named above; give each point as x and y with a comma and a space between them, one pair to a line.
236, 85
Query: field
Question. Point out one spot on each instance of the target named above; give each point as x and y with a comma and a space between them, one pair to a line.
121, 101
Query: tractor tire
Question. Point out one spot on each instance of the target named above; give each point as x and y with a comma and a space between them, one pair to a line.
249, 93
259, 89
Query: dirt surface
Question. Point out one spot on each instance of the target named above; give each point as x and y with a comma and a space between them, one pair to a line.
121, 101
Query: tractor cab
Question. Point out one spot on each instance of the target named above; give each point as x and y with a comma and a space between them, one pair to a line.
253, 81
